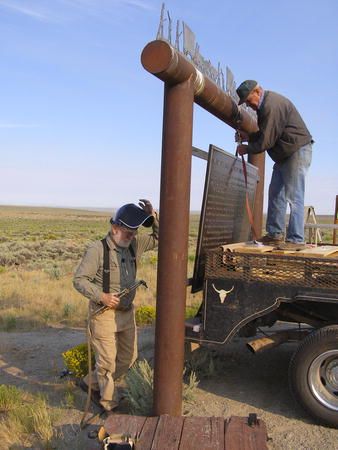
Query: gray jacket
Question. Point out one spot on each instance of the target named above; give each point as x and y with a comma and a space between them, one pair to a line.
282, 131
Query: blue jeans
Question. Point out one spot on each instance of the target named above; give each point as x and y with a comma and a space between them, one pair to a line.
287, 186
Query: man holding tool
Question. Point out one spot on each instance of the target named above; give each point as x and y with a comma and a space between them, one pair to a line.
107, 277
284, 135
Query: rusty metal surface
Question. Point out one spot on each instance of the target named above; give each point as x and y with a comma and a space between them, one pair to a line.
223, 217
258, 160
190, 433
167, 64
184, 84
173, 248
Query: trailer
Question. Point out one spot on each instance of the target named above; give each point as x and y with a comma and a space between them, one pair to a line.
247, 286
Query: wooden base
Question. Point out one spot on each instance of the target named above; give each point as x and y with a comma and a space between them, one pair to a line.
190, 433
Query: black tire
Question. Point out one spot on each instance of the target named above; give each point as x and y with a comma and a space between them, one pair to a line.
313, 375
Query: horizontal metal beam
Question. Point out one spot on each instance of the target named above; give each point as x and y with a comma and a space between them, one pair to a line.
199, 153
166, 63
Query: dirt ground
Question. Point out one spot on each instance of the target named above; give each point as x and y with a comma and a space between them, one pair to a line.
249, 384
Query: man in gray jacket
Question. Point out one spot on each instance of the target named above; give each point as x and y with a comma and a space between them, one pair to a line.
284, 135
113, 332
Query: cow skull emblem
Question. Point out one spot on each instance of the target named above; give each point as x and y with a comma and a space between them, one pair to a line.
222, 292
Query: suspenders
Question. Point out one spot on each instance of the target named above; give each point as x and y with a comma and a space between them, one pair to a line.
106, 265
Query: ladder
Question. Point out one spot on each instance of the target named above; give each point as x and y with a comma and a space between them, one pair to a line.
310, 217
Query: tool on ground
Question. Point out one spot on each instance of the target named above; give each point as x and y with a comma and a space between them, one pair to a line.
101, 310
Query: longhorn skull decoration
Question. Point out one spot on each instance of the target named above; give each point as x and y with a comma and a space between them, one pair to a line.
222, 292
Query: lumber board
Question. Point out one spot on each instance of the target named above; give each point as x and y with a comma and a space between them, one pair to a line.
247, 247
124, 424
146, 437
309, 251
189, 433
240, 436
168, 433
322, 250
206, 433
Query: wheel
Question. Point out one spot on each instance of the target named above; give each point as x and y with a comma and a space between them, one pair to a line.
313, 375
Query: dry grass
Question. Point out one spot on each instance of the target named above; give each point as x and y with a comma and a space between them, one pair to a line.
139, 382
26, 419
39, 251
31, 299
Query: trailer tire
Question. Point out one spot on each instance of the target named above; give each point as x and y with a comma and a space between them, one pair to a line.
313, 375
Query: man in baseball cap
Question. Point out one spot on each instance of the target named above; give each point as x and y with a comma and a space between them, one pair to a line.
284, 135
244, 89
132, 216
113, 333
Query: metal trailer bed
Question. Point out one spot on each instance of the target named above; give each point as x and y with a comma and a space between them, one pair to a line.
245, 291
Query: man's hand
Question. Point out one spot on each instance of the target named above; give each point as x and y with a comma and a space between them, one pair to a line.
110, 300
146, 206
241, 136
242, 149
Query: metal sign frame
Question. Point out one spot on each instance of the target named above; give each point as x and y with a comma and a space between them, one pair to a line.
223, 218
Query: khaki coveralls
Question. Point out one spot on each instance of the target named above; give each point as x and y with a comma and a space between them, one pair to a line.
113, 332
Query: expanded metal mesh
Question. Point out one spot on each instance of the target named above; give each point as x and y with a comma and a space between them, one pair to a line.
273, 269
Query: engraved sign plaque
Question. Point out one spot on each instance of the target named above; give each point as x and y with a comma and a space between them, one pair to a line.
224, 218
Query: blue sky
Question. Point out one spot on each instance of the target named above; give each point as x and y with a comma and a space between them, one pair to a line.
81, 120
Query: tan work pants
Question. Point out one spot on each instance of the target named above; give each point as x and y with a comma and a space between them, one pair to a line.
115, 351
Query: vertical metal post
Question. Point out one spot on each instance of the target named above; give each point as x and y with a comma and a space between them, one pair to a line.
334, 240
173, 247
258, 160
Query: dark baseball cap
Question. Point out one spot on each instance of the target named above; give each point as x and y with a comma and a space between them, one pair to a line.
132, 216
244, 90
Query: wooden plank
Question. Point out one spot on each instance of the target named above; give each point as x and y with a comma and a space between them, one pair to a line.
190, 433
124, 424
240, 436
323, 250
245, 247
168, 433
146, 437
286, 252
205, 433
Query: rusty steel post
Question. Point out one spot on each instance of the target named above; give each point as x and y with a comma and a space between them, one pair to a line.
173, 247
184, 84
258, 160
334, 238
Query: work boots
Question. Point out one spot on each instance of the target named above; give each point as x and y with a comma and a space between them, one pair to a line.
272, 239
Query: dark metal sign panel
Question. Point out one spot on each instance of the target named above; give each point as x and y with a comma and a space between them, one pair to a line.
224, 218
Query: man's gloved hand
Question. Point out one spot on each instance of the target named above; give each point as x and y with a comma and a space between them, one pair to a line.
241, 136
146, 206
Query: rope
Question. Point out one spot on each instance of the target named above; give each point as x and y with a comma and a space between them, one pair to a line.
83, 424
247, 201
